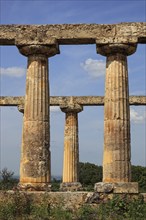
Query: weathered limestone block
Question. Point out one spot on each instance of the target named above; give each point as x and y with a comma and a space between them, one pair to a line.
71, 147
72, 186
104, 187
35, 172
130, 187
117, 150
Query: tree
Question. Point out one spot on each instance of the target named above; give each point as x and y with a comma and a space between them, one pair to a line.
139, 175
89, 174
6, 175
7, 181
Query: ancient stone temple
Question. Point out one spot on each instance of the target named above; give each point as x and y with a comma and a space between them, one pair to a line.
40, 42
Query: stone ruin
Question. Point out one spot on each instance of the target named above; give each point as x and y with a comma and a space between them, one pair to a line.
38, 43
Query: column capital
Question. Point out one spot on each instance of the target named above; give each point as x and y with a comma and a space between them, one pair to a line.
111, 49
72, 108
46, 50
20, 108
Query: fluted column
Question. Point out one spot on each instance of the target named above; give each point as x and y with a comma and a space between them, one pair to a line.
71, 148
35, 170
117, 149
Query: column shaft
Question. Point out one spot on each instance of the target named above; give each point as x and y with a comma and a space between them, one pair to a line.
116, 161
35, 156
71, 148
71, 151
117, 150
35, 169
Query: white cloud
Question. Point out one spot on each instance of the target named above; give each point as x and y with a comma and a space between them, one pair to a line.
54, 108
95, 68
137, 117
13, 71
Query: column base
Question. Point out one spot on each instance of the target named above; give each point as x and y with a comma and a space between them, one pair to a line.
119, 187
34, 187
72, 186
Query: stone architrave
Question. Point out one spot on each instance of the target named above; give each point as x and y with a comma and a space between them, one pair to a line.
117, 150
63, 100
35, 170
71, 148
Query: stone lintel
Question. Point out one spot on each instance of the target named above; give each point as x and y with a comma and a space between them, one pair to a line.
121, 187
130, 32
11, 101
22, 41
73, 186
64, 100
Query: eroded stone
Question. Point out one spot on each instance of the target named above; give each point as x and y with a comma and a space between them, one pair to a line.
118, 187
104, 187
72, 186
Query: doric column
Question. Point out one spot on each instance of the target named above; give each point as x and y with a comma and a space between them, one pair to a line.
117, 150
71, 148
35, 170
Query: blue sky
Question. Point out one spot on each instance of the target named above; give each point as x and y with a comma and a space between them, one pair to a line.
77, 70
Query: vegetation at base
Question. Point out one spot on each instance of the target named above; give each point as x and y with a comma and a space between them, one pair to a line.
89, 174
139, 175
55, 185
20, 207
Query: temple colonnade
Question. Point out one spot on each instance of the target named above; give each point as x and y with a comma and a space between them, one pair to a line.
38, 43
35, 169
